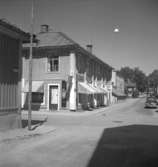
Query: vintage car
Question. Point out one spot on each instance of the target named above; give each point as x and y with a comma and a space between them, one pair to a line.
151, 102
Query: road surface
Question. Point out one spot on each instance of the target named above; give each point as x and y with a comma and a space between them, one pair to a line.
124, 134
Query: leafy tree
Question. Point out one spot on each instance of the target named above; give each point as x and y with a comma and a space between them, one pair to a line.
153, 79
134, 75
127, 73
140, 79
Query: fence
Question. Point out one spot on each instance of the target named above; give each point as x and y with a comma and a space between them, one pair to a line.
8, 97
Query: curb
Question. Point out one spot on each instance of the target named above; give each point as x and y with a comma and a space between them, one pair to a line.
45, 114
41, 115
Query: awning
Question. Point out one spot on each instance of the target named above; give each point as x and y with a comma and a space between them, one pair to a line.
117, 93
98, 90
84, 88
103, 90
37, 86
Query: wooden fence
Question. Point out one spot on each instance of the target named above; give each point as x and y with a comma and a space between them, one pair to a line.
8, 97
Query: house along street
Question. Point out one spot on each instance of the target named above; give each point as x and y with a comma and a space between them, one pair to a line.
124, 134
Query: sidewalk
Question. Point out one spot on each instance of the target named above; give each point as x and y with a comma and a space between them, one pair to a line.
42, 116
24, 133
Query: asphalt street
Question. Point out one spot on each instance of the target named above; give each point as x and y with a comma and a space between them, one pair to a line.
124, 134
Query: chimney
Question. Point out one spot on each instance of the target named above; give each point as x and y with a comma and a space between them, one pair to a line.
89, 48
44, 28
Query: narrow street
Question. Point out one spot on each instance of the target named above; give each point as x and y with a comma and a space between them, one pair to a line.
124, 134
78, 83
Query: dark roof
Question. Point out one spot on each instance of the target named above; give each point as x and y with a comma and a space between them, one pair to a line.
8, 28
59, 39
53, 39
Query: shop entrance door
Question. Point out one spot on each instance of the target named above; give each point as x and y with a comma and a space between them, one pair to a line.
53, 97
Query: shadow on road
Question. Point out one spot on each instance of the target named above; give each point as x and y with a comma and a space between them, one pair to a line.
34, 123
127, 146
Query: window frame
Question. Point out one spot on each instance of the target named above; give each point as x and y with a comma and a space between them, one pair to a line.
53, 57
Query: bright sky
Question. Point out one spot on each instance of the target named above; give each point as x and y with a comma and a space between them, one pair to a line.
123, 32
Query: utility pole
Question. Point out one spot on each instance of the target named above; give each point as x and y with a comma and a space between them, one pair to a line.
30, 69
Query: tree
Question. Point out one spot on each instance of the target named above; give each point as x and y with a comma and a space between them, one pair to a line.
140, 79
134, 75
153, 80
127, 73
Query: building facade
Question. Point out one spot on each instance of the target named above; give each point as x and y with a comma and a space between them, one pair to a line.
11, 39
65, 75
118, 90
130, 88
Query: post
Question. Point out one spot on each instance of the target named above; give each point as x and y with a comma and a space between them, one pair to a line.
30, 70
19, 83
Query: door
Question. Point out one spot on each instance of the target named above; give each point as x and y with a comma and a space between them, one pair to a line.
53, 97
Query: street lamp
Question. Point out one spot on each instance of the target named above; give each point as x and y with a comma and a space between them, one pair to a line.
116, 30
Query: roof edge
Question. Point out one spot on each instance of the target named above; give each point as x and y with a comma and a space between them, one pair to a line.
7, 25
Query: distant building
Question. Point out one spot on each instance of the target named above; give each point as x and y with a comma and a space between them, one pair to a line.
118, 90
130, 88
65, 75
11, 39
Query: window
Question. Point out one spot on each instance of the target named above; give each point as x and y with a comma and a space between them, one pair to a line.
53, 64
37, 97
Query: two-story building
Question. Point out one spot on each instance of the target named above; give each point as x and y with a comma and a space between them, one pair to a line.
118, 84
130, 88
65, 75
11, 39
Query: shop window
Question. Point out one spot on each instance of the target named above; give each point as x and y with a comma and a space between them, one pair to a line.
37, 97
53, 64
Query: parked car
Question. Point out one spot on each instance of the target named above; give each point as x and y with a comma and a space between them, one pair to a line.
156, 98
151, 103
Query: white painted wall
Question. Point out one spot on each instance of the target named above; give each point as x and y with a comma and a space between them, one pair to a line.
72, 99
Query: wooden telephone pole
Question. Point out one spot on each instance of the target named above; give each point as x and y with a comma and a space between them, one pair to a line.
30, 69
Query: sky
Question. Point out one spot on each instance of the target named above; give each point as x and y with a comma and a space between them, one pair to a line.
93, 22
